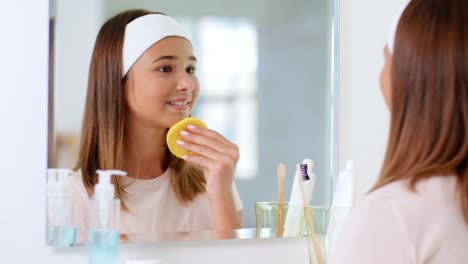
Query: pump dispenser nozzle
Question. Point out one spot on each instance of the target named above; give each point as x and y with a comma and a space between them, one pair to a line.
104, 189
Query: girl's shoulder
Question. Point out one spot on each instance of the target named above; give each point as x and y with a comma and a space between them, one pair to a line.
425, 191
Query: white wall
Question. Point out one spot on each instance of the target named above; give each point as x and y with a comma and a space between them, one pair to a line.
23, 111
364, 118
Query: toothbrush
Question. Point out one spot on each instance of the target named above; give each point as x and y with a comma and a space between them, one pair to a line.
280, 214
308, 178
295, 215
309, 219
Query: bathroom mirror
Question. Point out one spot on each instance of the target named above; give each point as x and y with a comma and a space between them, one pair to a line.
266, 71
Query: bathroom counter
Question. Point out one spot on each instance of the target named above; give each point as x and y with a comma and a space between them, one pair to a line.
269, 250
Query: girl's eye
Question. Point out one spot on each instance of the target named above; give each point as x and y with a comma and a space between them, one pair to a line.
165, 69
191, 69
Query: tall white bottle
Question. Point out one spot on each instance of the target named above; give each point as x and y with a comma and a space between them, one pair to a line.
104, 221
345, 188
61, 228
343, 201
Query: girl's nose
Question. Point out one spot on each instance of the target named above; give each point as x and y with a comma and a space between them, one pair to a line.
185, 83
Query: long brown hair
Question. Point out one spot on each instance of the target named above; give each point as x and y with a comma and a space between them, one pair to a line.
429, 119
103, 128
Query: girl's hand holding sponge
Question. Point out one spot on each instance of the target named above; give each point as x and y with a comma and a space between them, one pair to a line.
190, 140
173, 135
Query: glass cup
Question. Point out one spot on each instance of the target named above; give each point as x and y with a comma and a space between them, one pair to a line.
323, 226
320, 224
269, 222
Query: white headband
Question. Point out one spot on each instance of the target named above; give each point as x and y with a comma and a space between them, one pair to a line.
393, 29
144, 32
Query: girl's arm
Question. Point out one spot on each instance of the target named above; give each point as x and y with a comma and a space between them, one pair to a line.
218, 158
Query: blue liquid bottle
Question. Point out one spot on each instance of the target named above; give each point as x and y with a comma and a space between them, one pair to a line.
103, 246
61, 229
104, 221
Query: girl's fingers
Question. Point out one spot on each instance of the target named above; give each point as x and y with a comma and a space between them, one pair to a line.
200, 150
200, 161
210, 164
211, 133
216, 145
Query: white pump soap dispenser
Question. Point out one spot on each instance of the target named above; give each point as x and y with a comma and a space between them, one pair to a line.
61, 229
104, 193
104, 217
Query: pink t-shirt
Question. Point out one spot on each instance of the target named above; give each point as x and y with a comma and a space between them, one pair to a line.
396, 225
153, 207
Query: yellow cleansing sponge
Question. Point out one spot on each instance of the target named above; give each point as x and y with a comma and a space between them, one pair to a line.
174, 134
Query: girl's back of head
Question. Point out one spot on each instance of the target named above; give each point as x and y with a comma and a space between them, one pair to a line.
429, 103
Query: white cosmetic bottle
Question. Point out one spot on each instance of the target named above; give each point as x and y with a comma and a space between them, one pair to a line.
61, 229
343, 201
345, 186
104, 221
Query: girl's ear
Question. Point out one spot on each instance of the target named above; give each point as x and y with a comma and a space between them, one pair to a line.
127, 85
127, 82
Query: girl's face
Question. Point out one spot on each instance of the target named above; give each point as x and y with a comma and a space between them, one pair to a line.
161, 87
386, 77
